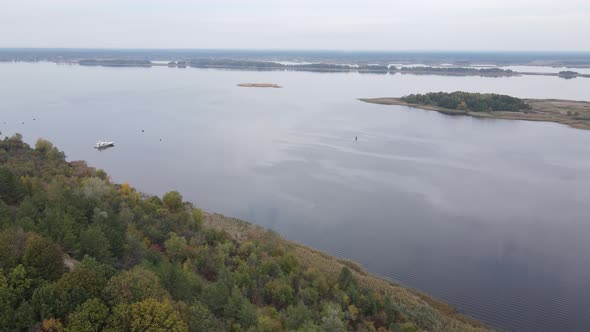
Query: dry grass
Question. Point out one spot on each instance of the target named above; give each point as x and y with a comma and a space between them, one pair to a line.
413, 304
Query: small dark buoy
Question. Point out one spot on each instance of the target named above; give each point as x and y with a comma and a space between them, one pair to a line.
34, 119
23, 123
142, 130
356, 138
160, 140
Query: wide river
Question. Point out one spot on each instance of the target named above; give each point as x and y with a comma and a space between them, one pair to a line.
491, 216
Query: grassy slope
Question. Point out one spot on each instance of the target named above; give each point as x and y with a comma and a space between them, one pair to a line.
416, 305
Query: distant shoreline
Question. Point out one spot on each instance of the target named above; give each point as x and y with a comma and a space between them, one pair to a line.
328, 67
491, 69
259, 85
570, 59
575, 114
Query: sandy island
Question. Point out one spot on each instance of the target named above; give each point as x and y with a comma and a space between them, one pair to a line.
259, 85
575, 114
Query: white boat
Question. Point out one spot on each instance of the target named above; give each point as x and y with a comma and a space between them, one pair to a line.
102, 145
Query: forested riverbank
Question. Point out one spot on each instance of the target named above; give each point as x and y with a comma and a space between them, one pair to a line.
79, 252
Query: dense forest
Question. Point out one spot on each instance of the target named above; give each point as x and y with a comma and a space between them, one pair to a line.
230, 63
313, 67
80, 253
265, 65
115, 63
466, 101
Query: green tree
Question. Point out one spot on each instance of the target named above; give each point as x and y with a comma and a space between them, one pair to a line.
15, 312
297, 315
45, 302
5, 215
176, 247
3, 281
345, 279
70, 241
11, 190
198, 317
239, 309
215, 295
12, 243
43, 146
173, 201
135, 285
43, 258
24, 316
94, 243
279, 293
29, 208
101, 174
310, 327
180, 283
114, 230
408, 327
91, 316
268, 324
332, 318
7, 304
26, 223
147, 315
18, 282
391, 310
85, 282
197, 218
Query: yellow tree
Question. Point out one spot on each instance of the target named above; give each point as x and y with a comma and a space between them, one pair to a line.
147, 315
125, 189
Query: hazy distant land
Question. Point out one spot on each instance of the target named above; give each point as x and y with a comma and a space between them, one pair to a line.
325, 67
259, 85
428, 63
428, 58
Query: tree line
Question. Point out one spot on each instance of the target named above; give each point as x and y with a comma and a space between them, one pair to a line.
457, 70
467, 101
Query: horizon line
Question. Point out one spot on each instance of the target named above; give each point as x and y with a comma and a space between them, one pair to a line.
291, 50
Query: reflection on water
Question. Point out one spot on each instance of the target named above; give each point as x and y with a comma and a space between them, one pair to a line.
106, 147
543, 69
489, 215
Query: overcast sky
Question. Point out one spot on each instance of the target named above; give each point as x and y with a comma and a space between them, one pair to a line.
298, 24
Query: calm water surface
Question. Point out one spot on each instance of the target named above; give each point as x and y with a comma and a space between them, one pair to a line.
491, 216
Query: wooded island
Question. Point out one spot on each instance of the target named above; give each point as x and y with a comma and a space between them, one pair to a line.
575, 114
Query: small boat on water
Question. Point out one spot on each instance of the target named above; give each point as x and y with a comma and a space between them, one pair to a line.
104, 145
